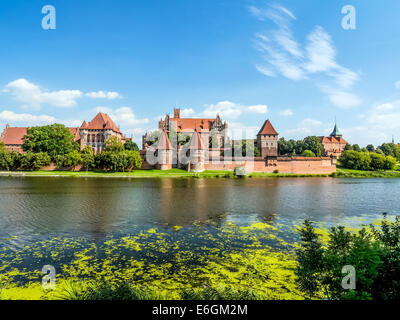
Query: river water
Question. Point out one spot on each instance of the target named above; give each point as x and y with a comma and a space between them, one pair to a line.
32, 208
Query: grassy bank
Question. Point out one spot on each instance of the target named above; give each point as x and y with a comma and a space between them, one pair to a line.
178, 173
349, 173
173, 173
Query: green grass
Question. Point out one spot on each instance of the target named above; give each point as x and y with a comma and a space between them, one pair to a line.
350, 173
124, 292
178, 173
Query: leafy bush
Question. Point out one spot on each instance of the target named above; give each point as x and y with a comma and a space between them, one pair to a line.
356, 160
53, 139
34, 161
87, 158
308, 153
373, 252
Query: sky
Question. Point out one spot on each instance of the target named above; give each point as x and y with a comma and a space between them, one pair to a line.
289, 61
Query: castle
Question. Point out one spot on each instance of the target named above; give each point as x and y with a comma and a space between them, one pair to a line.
214, 132
93, 134
201, 152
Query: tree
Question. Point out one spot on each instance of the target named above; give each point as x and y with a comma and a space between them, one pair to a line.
348, 147
130, 145
53, 139
87, 158
34, 161
286, 147
308, 153
6, 160
371, 148
391, 149
313, 144
113, 144
378, 161
355, 160
2, 146
373, 251
390, 163
72, 159
356, 147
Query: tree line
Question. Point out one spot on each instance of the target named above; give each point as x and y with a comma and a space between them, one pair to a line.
55, 144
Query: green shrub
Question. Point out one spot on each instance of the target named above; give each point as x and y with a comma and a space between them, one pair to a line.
373, 252
308, 153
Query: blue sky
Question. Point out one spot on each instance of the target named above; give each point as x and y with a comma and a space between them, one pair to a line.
248, 60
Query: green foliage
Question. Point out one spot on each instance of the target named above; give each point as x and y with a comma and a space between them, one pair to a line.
373, 252
53, 139
113, 144
348, 147
119, 161
72, 159
356, 147
87, 158
131, 146
293, 147
244, 148
390, 149
308, 153
314, 144
34, 161
2, 146
366, 161
6, 160
370, 148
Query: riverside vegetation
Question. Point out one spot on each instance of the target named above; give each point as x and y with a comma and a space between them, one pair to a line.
259, 261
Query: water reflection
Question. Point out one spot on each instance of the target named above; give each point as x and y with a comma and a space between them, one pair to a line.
31, 208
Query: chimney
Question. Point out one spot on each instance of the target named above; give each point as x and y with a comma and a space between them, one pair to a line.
177, 113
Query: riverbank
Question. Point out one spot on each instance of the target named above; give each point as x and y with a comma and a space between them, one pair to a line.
178, 173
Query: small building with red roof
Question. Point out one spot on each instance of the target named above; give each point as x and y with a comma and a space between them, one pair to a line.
94, 134
267, 140
334, 144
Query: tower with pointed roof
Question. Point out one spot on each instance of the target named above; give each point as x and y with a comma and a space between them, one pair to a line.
196, 152
267, 140
334, 144
164, 151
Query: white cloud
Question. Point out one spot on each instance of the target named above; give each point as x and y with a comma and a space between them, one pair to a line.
260, 108
287, 112
28, 119
283, 55
379, 124
306, 127
12, 117
231, 110
32, 95
124, 116
342, 99
187, 113
103, 95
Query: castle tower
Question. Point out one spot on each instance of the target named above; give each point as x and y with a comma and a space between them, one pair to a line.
197, 153
177, 113
336, 133
267, 140
164, 150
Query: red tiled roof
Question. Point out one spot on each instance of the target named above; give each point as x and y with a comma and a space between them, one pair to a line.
332, 139
101, 121
84, 125
14, 135
188, 125
195, 142
75, 133
163, 142
267, 128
